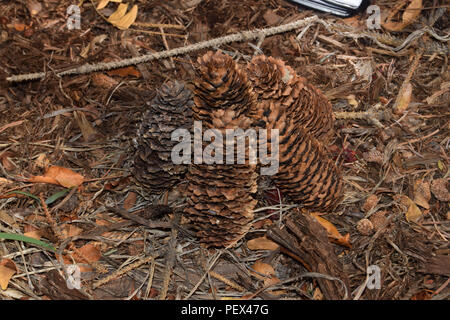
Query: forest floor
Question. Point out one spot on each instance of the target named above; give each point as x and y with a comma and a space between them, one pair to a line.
390, 94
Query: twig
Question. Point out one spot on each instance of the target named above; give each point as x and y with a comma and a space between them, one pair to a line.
118, 273
237, 37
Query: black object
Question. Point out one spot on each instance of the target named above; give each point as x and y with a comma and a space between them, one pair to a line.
343, 8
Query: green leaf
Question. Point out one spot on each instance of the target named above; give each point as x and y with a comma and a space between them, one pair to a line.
56, 196
25, 194
20, 237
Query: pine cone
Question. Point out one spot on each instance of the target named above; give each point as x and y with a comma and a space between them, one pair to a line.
282, 92
220, 203
168, 111
306, 174
302, 115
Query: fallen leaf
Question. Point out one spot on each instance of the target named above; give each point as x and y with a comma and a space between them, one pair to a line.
263, 270
35, 234
90, 252
127, 20
19, 27
71, 231
403, 98
410, 14
125, 72
118, 14
7, 270
103, 81
262, 243
59, 175
333, 233
422, 194
413, 213
271, 17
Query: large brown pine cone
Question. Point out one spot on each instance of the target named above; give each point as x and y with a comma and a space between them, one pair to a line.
171, 109
220, 202
303, 115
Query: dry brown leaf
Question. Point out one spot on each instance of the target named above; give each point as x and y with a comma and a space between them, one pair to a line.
125, 72
59, 175
403, 98
118, 14
127, 20
412, 11
7, 270
35, 234
103, 81
333, 233
413, 213
422, 194
19, 27
90, 252
262, 243
103, 3
263, 270
71, 231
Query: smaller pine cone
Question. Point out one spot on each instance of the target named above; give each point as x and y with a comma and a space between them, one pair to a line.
171, 109
220, 196
222, 91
